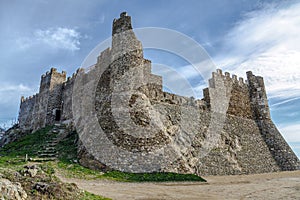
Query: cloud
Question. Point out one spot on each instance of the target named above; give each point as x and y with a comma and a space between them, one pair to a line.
7, 87
291, 132
285, 102
266, 42
10, 95
58, 38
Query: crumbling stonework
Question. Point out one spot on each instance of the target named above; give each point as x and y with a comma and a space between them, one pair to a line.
229, 131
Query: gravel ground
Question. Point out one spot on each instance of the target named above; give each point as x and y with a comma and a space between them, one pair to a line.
281, 185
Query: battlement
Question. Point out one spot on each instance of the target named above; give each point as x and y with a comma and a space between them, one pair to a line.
30, 98
70, 79
122, 24
124, 40
51, 78
226, 76
236, 89
53, 71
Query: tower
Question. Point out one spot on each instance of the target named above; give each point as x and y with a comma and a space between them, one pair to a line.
49, 104
258, 97
278, 147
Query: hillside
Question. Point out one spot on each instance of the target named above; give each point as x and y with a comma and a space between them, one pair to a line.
36, 160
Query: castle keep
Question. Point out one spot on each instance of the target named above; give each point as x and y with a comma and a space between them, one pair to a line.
127, 122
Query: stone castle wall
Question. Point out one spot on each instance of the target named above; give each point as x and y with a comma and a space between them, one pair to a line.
45, 107
26, 111
177, 131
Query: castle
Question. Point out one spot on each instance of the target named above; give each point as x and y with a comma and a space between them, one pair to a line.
229, 131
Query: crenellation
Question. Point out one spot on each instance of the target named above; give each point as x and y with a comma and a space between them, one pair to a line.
52, 70
241, 80
122, 24
219, 71
70, 79
227, 74
79, 70
249, 141
123, 14
234, 78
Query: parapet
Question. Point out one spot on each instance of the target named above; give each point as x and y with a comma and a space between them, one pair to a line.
53, 71
70, 79
28, 99
219, 74
122, 24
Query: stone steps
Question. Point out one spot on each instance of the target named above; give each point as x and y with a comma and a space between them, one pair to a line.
42, 159
48, 152
48, 155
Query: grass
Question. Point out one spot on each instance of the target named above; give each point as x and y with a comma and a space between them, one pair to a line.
73, 170
90, 196
12, 161
29, 144
67, 148
152, 177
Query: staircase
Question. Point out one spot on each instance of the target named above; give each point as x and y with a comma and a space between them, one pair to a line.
49, 152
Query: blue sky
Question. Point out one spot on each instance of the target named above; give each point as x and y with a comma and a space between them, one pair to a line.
239, 35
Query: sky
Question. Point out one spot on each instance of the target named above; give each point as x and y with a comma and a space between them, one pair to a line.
239, 36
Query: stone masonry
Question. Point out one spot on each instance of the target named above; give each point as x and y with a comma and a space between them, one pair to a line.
229, 131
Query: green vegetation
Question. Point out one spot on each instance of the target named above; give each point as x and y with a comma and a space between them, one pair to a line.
12, 162
90, 196
74, 170
152, 177
77, 171
29, 144
67, 148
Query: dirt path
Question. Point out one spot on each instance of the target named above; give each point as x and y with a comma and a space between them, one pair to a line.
283, 185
